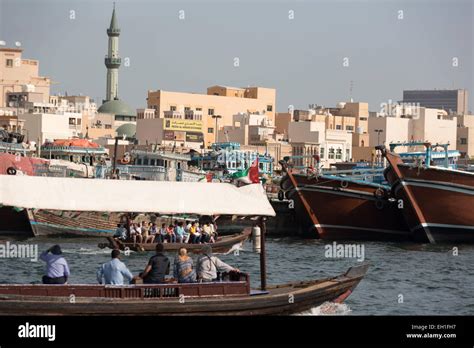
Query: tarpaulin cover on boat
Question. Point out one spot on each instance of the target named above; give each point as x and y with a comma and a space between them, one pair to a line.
133, 196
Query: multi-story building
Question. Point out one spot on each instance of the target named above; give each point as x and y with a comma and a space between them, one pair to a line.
41, 126
217, 108
248, 129
20, 75
465, 136
413, 124
333, 145
453, 101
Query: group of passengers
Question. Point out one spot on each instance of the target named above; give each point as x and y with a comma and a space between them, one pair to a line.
179, 232
115, 271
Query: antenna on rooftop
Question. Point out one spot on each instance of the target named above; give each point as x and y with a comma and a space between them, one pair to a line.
351, 87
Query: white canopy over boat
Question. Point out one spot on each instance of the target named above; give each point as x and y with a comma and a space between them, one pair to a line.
162, 197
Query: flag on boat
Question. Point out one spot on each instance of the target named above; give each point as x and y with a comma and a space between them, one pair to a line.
249, 175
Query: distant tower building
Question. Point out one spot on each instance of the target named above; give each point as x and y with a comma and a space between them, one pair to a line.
112, 61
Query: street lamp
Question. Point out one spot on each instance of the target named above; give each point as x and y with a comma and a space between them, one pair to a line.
378, 131
216, 117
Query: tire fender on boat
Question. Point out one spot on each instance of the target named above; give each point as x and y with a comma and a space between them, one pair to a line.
11, 171
344, 183
379, 193
281, 195
379, 204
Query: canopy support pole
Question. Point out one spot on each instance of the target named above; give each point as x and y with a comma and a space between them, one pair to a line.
263, 266
114, 164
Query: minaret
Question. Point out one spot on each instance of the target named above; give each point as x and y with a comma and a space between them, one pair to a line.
112, 60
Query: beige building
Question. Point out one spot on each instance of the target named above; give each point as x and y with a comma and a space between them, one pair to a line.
465, 136
282, 120
334, 145
220, 101
351, 117
44, 126
413, 124
20, 75
248, 129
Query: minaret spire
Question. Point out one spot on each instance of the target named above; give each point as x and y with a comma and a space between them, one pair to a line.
112, 60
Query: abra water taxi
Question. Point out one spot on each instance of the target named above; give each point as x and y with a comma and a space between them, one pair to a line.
230, 296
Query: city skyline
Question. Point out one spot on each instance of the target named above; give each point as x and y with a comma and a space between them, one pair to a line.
181, 51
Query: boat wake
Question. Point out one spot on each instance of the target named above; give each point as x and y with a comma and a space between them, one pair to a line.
86, 251
328, 308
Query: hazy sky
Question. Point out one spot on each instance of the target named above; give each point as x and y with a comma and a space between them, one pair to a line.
301, 57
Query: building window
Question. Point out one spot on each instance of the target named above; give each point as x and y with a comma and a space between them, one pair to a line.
463, 141
173, 108
269, 108
350, 128
9, 63
331, 153
108, 126
348, 157
338, 126
210, 112
198, 109
210, 130
72, 121
187, 108
363, 118
339, 154
78, 121
321, 153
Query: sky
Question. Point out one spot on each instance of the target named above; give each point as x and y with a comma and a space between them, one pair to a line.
311, 52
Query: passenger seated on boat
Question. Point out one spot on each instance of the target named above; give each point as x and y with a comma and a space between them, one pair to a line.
120, 232
153, 234
161, 236
206, 233
213, 232
57, 269
195, 236
114, 271
208, 266
170, 236
157, 268
145, 230
138, 231
186, 231
133, 233
183, 267
179, 232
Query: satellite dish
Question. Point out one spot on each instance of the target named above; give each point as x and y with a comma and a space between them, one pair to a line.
2, 43
18, 44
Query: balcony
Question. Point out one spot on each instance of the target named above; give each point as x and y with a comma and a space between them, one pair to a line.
113, 32
112, 63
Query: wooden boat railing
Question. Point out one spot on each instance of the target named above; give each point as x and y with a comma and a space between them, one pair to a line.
138, 291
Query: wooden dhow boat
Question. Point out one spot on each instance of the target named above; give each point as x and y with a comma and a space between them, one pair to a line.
437, 201
338, 207
221, 245
232, 296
